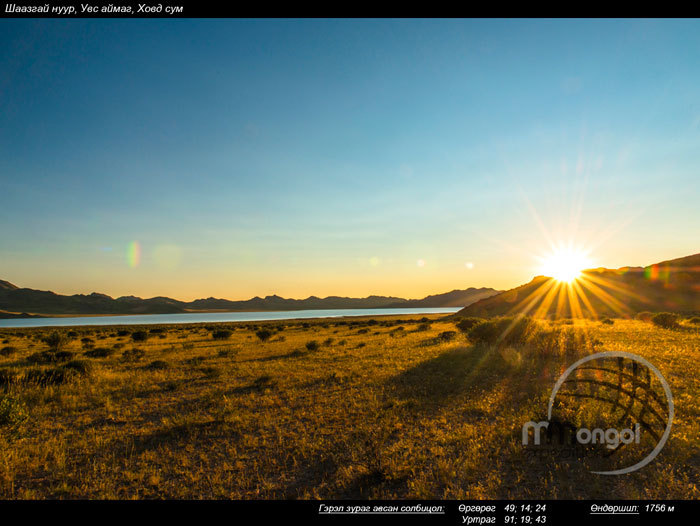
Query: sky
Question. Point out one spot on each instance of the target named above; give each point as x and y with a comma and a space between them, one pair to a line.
241, 158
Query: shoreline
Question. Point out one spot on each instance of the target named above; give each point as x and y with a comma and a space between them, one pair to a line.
288, 316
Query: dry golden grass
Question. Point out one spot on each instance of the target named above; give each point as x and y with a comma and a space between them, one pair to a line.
381, 409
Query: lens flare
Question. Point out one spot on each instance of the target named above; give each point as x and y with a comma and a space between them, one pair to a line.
133, 254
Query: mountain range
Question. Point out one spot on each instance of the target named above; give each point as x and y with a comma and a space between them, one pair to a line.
18, 302
672, 286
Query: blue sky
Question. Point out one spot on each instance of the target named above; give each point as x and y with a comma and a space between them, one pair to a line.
301, 157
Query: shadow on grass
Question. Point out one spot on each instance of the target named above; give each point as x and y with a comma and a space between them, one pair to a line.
179, 435
451, 374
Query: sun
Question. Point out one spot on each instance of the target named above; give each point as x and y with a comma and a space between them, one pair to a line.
565, 263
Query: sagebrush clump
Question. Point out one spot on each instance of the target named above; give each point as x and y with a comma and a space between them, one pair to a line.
667, 320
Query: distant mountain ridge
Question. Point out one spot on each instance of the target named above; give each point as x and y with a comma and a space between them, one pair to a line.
672, 285
16, 301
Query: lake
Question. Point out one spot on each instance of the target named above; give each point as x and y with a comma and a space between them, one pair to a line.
214, 317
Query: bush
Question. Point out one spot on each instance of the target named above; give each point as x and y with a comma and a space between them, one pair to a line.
506, 331
328, 341
312, 345
123, 333
607, 321
100, 352
158, 365
13, 414
56, 341
8, 351
82, 367
447, 336
50, 357
221, 334
227, 352
667, 320
423, 327
264, 335
139, 336
467, 323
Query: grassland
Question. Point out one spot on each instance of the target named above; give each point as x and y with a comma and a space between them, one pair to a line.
391, 407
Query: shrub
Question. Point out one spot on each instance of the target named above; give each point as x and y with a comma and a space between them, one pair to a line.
227, 352
139, 336
50, 357
312, 345
607, 321
467, 323
264, 335
123, 333
221, 334
8, 351
82, 367
158, 365
56, 341
667, 320
447, 336
423, 327
13, 414
507, 331
328, 341
100, 352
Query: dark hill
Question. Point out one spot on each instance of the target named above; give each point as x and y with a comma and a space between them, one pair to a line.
672, 285
15, 300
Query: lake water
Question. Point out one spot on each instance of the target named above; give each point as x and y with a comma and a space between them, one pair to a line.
213, 317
